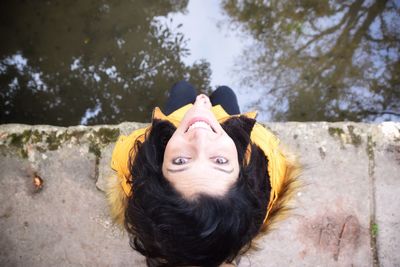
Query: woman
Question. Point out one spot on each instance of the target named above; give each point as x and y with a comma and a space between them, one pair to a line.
199, 184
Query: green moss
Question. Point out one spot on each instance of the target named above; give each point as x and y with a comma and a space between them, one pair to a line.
41, 149
374, 229
15, 140
54, 141
351, 138
77, 134
37, 136
107, 135
355, 138
33, 137
23, 153
101, 138
335, 131
19, 140
95, 149
371, 155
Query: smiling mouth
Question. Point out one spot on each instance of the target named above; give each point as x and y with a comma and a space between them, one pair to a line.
200, 124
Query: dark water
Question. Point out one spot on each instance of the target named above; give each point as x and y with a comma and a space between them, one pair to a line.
91, 62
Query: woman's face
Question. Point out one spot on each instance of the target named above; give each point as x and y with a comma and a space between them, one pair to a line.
200, 157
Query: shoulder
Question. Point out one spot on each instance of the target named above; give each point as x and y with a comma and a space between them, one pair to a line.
263, 136
123, 147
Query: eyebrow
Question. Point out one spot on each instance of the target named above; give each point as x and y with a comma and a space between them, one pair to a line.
223, 170
178, 170
184, 169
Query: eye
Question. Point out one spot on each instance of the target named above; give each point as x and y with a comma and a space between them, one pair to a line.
180, 161
220, 160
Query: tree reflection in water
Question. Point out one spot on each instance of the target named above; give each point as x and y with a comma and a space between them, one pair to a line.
66, 63
322, 60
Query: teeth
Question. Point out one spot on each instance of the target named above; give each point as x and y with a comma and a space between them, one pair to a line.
200, 124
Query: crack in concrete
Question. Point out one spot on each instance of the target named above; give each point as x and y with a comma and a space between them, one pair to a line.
371, 173
336, 254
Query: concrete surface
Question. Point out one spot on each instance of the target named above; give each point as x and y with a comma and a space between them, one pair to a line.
346, 214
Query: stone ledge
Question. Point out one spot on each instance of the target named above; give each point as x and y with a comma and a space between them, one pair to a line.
347, 212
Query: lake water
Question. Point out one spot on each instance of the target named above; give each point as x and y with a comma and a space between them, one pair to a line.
81, 62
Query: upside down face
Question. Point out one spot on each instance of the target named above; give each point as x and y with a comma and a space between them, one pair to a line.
200, 157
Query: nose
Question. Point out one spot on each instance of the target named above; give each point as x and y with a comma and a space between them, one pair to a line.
201, 141
202, 100
202, 97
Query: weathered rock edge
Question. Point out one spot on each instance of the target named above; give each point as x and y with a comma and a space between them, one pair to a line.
31, 142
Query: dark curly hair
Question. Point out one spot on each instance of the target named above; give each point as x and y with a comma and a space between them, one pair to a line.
206, 231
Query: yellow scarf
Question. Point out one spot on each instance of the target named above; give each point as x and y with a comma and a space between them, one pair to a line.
268, 142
